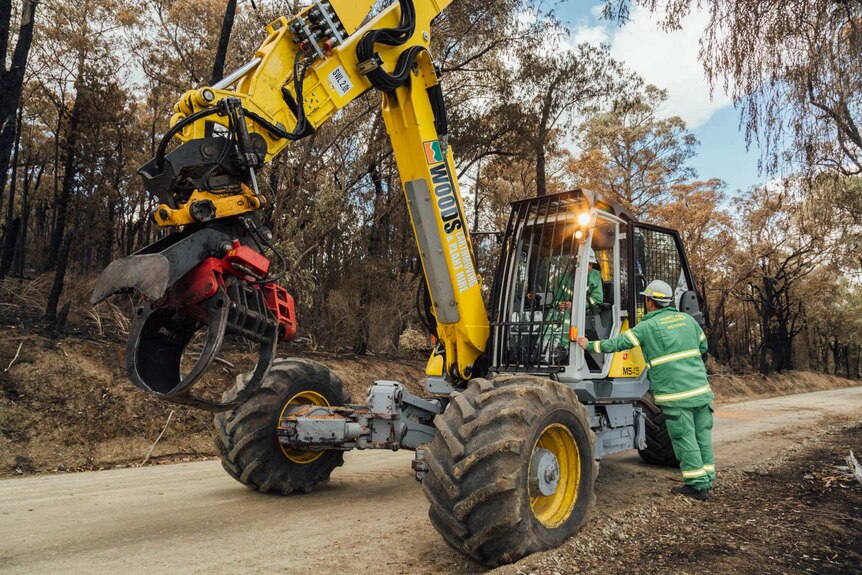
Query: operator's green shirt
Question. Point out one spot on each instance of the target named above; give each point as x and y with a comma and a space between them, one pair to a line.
595, 295
672, 343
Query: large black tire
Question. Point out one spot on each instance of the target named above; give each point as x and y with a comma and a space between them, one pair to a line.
659, 449
246, 436
479, 466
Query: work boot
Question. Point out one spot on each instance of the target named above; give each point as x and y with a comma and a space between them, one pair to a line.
691, 492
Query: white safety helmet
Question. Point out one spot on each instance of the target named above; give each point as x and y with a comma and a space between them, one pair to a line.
593, 259
660, 292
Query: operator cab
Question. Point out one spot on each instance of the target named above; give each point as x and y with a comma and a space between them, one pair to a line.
541, 289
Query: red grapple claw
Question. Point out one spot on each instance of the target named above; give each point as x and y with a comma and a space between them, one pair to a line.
225, 295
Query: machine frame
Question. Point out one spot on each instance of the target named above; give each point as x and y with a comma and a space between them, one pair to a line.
612, 394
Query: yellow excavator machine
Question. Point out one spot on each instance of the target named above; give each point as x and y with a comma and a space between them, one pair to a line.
506, 436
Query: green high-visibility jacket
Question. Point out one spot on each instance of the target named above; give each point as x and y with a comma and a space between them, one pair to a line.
595, 295
562, 294
672, 344
565, 284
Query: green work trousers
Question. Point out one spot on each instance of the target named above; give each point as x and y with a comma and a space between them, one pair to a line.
690, 430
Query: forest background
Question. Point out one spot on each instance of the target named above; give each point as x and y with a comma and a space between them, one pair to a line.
87, 89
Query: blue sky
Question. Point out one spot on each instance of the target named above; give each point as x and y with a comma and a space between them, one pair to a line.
669, 60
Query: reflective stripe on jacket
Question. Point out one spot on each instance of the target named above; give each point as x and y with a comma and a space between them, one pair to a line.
672, 343
595, 295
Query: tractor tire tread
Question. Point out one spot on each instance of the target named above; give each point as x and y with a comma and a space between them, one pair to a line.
245, 436
659, 447
476, 465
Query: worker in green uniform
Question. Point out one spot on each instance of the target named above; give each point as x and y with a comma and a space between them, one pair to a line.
557, 335
563, 297
595, 295
673, 344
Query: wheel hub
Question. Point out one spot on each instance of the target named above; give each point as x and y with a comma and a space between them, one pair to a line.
554, 475
544, 472
303, 398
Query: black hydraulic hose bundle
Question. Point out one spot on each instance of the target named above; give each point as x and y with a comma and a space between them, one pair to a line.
386, 82
380, 78
302, 128
435, 95
423, 307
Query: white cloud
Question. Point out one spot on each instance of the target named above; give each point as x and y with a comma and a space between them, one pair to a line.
590, 34
667, 60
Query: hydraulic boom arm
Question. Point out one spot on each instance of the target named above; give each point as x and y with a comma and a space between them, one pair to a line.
212, 273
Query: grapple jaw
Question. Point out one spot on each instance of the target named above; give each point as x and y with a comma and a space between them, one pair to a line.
224, 292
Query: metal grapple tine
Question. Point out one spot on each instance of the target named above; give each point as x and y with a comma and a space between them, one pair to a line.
159, 338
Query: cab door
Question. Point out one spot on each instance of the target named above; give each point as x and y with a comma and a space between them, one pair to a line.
656, 253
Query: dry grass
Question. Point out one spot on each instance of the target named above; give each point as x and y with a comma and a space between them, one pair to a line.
25, 294
25, 301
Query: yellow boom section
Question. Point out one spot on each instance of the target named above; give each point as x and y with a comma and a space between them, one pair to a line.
434, 200
331, 77
330, 83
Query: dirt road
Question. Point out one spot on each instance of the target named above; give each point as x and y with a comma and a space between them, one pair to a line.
371, 518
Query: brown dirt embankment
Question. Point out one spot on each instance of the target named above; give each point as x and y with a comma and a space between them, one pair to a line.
66, 405
730, 388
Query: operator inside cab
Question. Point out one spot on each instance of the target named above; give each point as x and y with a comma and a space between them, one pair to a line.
595, 294
563, 296
565, 285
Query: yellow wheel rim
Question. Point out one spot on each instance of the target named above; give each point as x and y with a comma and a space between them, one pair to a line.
302, 398
553, 510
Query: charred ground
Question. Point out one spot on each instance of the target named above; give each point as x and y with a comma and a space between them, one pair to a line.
798, 513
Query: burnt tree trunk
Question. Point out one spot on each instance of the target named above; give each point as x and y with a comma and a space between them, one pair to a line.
69, 172
12, 79
18, 261
10, 239
836, 355
541, 177
375, 246
221, 50
59, 277
223, 41
17, 267
543, 128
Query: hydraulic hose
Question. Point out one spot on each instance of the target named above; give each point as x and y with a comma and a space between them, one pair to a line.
378, 77
302, 127
176, 129
423, 307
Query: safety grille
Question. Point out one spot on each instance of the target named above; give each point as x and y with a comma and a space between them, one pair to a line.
657, 258
533, 288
